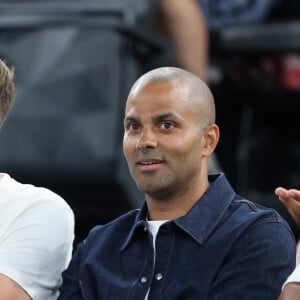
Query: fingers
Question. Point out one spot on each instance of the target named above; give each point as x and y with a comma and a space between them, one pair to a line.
293, 193
287, 195
291, 200
281, 193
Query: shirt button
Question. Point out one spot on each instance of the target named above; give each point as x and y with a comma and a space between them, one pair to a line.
145, 228
158, 276
143, 279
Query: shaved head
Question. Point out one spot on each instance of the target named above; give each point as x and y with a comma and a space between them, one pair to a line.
199, 94
169, 134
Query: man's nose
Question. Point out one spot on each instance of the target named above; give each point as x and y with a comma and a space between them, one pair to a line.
146, 140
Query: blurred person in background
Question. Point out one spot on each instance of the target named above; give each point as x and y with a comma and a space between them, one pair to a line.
183, 22
36, 228
188, 24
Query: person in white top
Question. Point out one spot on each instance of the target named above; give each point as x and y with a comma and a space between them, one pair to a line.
291, 200
36, 228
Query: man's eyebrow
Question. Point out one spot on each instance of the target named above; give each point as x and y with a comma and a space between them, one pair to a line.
156, 118
129, 118
165, 116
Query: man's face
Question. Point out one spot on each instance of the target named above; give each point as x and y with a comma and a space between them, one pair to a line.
162, 140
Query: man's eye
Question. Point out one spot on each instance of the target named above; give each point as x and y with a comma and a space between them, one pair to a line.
132, 126
167, 125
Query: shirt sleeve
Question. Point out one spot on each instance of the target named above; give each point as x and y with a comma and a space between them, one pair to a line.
72, 285
258, 264
37, 248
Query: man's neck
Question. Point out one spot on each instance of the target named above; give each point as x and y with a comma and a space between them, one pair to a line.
173, 207
156, 214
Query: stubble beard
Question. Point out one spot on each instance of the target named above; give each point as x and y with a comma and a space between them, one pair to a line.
159, 188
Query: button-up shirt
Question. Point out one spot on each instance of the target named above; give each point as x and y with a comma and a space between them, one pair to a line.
225, 247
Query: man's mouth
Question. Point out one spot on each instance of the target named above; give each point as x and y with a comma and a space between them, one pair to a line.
149, 164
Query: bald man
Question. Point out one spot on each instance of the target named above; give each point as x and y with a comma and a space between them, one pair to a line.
194, 237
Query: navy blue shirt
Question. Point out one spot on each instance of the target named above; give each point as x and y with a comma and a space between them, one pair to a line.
225, 247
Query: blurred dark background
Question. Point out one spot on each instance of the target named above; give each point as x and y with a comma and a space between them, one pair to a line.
75, 62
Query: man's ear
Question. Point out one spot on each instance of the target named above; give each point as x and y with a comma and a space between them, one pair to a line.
211, 135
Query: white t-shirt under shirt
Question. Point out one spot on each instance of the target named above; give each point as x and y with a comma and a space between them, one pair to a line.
153, 228
36, 237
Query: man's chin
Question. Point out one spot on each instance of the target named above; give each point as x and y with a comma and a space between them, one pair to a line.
156, 191
148, 188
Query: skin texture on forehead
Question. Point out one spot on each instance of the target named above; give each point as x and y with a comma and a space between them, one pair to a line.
199, 96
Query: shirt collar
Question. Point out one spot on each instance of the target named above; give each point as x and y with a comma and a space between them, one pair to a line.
140, 223
204, 216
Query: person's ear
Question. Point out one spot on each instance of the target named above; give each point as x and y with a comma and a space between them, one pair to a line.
211, 135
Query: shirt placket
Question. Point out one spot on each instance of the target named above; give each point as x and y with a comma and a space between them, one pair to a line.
164, 249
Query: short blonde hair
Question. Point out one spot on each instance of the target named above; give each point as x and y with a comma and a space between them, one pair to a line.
7, 90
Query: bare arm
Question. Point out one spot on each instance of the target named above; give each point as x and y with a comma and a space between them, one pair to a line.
184, 23
290, 292
10, 290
